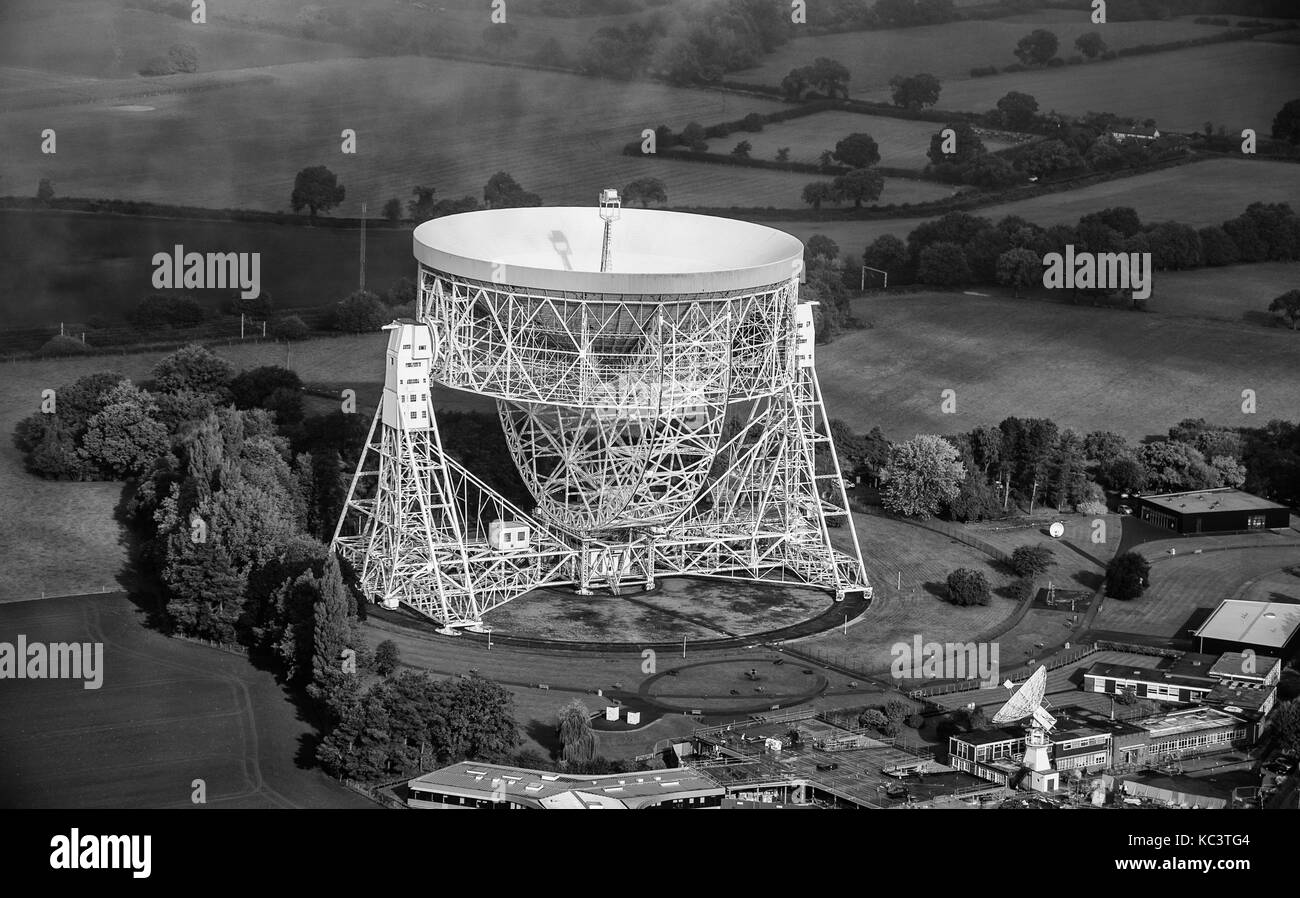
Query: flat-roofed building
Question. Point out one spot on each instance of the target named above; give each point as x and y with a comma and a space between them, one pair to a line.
1185, 681
473, 785
996, 754
1265, 628
1192, 731
1224, 510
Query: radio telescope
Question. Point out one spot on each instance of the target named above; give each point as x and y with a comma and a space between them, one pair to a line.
653, 375
1029, 702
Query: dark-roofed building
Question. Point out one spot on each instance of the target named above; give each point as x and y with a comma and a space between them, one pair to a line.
1185, 681
1268, 629
1225, 510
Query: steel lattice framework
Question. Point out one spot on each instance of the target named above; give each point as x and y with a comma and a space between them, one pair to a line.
669, 429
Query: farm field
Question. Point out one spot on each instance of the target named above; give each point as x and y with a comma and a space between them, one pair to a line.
951, 50
108, 39
903, 143
1083, 367
1198, 194
447, 124
1233, 293
1238, 85
167, 712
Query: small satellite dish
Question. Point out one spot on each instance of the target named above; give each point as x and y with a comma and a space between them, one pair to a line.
1057, 530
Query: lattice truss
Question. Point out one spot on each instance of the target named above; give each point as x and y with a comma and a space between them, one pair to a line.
673, 435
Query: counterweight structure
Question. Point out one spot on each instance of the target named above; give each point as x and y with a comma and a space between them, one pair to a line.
664, 415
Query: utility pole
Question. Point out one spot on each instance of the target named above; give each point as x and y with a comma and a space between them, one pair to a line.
363, 246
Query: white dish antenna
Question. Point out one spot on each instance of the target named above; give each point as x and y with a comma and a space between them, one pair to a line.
1057, 530
1027, 701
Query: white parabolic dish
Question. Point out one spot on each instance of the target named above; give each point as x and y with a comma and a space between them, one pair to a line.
653, 251
1025, 700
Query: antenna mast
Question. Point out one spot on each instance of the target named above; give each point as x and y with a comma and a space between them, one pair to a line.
609, 211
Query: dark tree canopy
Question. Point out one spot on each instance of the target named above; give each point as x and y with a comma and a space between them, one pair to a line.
316, 189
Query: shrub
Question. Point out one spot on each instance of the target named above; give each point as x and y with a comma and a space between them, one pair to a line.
1031, 560
1021, 588
983, 71
1110, 54
915, 721
1055, 62
61, 344
291, 328
1014, 67
967, 587
1076, 59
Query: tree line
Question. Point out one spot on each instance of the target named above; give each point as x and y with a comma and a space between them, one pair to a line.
993, 470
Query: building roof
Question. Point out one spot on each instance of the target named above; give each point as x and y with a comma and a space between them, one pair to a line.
1149, 675
1269, 624
562, 790
1187, 720
1236, 666
1202, 501
1246, 698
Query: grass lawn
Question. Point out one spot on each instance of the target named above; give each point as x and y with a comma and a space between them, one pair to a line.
1183, 583
951, 50
1084, 367
925, 559
903, 143
1241, 84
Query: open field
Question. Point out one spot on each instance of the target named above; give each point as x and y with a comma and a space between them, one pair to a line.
105, 39
168, 712
1233, 293
903, 143
1238, 85
1083, 367
450, 125
951, 50
1199, 194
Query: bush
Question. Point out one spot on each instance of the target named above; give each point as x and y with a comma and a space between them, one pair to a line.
1110, 54
361, 312
967, 587
160, 310
1021, 588
983, 71
63, 345
1031, 560
1055, 62
1076, 59
916, 721
1127, 576
1014, 67
290, 328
